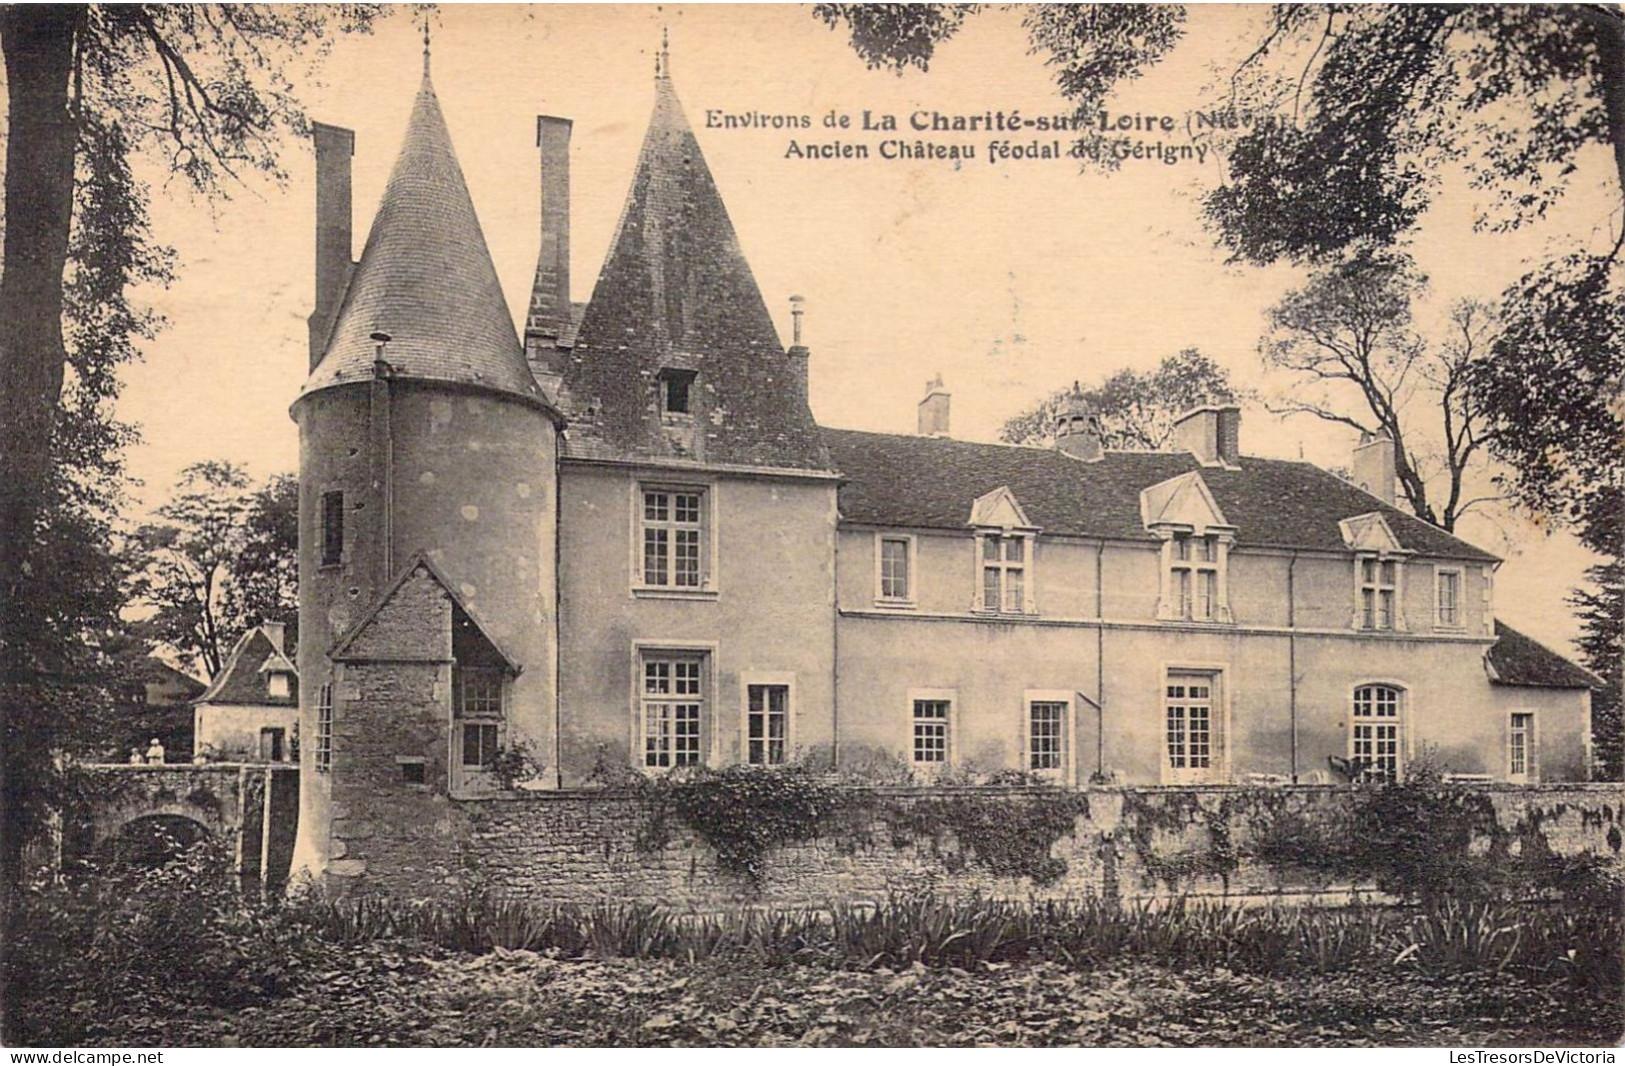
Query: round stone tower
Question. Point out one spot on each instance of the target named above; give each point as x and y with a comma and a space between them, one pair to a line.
427, 513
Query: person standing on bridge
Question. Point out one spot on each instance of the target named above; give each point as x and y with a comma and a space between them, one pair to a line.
155, 752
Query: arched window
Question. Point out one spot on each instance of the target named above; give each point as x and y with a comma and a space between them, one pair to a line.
1377, 731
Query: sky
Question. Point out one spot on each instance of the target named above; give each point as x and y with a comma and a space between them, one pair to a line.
1011, 277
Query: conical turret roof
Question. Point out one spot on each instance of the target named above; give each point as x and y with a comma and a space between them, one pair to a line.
426, 279
676, 293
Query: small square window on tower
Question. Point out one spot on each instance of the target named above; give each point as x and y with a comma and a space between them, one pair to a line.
676, 388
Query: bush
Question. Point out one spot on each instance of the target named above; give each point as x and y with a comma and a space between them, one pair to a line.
181, 931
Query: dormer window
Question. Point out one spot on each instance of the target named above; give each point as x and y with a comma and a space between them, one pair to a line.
1379, 573
1004, 573
1196, 542
278, 686
1194, 574
1004, 554
1379, 589
676, 387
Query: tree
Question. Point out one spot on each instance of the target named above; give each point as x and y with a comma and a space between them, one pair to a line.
1551, 397
264, 585
224, 560
1135, 410
1347, 339
1355, 108
205, 89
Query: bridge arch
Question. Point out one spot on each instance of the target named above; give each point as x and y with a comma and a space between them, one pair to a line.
152, 839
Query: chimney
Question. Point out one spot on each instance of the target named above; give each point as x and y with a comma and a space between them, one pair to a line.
934, 409
797, 352
1211, 433
1077, 429
276, 632
1373, 466
548, 322
334, 147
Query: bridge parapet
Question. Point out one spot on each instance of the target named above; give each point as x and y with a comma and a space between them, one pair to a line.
253, 807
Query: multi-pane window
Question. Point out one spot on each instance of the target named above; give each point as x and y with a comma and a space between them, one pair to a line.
1194, 577
1448, 597
767, 724
1521, 745
673, 538
931, 731
673, 707
894, 568
1004, 573
332, 528
1378, 581
477, 706
1375, 735
479, 745
1189, 726
323, 748
1046, 735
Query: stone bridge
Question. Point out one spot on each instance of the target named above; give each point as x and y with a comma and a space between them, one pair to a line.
142, 813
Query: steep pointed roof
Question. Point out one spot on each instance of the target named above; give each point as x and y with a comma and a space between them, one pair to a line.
676, 293
426, 279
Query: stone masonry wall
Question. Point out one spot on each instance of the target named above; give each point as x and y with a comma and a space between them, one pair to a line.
590, 846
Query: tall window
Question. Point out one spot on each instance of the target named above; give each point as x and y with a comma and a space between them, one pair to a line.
1046, 735
931, 722
477, 709
895, 579
1004, 572
1194, 577
674, 538
323, 748
1375, 734
1190, 726
1447, 596
1521, 746
673, 709
767, 724
1379, 580
332, 528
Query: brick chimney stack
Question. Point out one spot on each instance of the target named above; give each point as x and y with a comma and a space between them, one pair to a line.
934, 409
1373, 466
1211, 433
797, 353
334, 147
548, 321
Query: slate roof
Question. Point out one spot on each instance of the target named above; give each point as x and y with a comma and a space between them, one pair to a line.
676, 291
426, 279
929, 483
242, 679
1515, 659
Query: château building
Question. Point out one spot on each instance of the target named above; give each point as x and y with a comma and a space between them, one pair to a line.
622, 540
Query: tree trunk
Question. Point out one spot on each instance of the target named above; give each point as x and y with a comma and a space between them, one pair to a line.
1608, 24
38, 44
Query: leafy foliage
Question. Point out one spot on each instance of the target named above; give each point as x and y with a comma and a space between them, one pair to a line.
1551, 396
224, 560
743, 812
110, 932
90, 86
1136, 410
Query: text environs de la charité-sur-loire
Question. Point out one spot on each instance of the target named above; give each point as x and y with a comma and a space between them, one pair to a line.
1016, 136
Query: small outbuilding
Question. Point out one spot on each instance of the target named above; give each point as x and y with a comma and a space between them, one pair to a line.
250, 712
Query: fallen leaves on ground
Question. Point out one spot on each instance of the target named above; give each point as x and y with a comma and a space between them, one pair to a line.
409, 995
